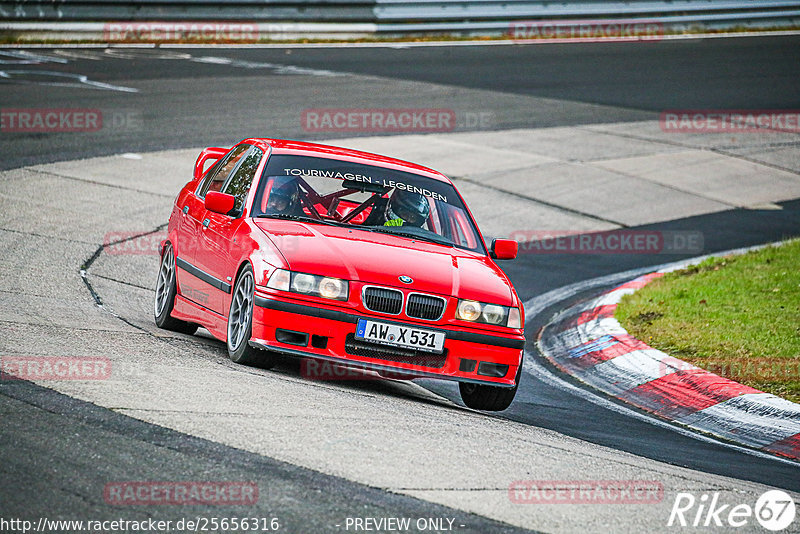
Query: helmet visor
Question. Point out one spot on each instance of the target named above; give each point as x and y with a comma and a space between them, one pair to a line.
410, 216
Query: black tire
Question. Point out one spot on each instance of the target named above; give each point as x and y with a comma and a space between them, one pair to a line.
240, 325
489, 398
164, 302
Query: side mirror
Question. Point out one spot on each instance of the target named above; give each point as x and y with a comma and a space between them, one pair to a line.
504, 249
219, 202
208, 154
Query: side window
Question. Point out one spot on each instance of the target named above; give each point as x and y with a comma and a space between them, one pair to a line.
239, 184
217, 176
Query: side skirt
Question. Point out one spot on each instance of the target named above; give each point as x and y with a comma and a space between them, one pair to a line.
192, 312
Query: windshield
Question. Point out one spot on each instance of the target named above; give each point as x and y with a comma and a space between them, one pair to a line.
376, 199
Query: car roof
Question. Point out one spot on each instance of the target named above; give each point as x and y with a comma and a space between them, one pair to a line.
302, 148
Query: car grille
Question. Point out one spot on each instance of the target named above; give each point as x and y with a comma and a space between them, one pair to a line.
425, 306
382, 300
419, 306
356, 347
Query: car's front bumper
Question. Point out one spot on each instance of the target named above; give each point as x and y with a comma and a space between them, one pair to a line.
326, 333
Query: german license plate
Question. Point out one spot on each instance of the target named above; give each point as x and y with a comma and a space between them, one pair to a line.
400, 336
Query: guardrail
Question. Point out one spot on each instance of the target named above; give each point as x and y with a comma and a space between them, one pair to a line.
195, 10
400, 10
330, 18
377, 11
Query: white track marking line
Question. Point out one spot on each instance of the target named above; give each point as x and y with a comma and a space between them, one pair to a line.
82, 81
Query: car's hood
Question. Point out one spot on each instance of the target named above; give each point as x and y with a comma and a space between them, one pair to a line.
378, 258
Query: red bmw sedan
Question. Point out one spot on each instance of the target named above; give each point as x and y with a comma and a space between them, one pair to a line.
300, 249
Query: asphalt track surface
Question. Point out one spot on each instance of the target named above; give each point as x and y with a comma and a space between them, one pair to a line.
193, 103
203, 101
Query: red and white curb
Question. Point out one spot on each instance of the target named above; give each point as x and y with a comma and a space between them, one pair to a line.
586, 342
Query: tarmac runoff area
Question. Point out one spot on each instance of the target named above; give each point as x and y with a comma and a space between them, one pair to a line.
380, 433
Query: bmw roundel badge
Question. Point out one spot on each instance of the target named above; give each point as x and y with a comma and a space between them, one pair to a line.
405, 279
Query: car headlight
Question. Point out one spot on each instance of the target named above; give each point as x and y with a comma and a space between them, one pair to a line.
280, 279
332, 288
494, 314
303, 283
479, 312
309, 284
468, 310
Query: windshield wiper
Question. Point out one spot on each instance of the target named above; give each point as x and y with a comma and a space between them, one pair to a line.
427, 236
301, 218
394, 230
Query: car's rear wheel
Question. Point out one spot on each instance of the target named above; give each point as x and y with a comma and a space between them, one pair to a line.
240, 324
488, 398
166, 289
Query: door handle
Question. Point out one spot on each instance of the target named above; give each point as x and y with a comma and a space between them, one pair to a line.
206, 222
186, 209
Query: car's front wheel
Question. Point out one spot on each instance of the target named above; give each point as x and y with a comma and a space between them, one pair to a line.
240, 324
488, 398
166, 289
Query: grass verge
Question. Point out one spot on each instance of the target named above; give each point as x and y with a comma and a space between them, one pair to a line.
736, 316
23, 37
